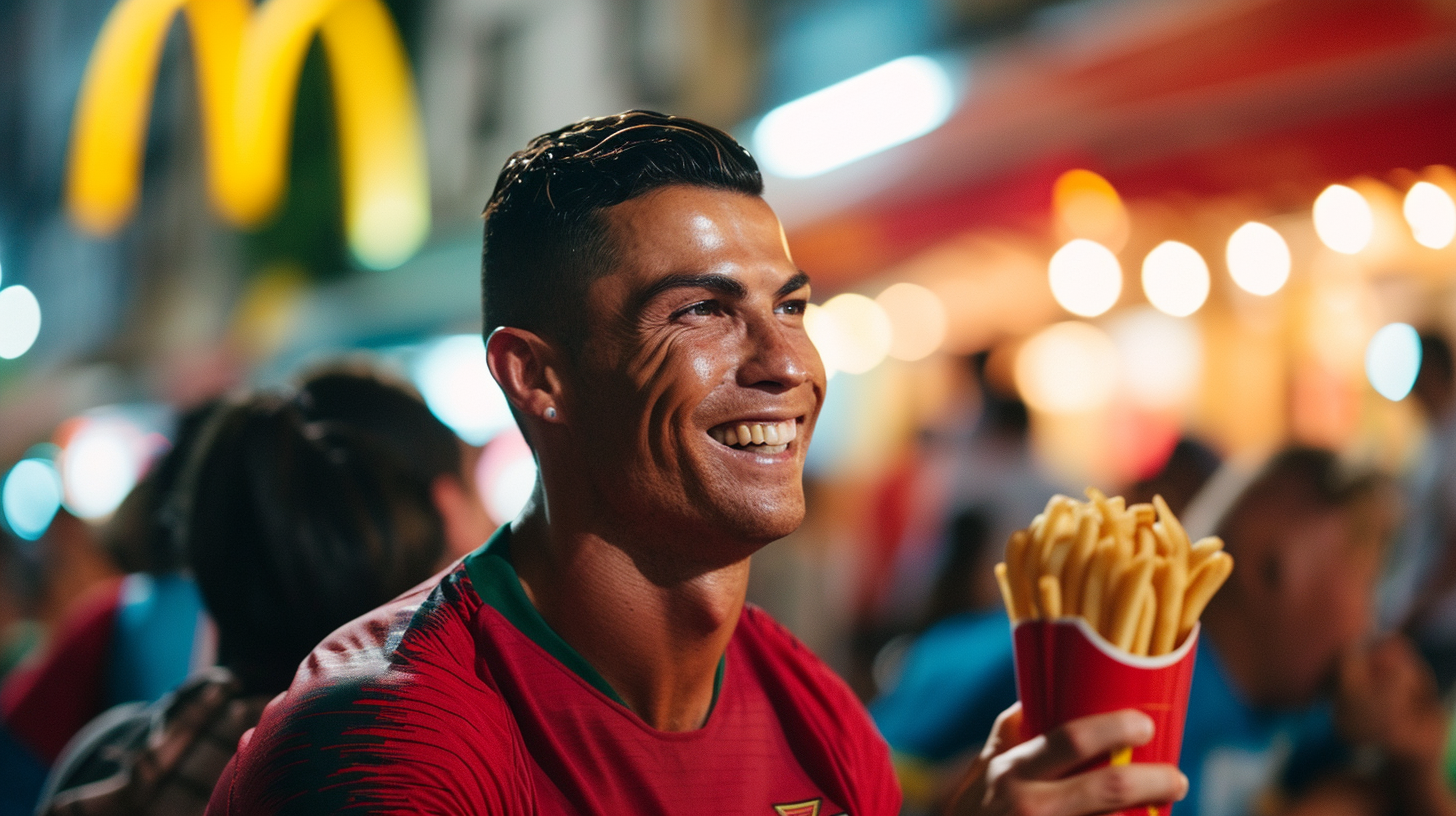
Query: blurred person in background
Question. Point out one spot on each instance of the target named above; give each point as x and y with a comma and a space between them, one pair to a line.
941, 517
597, 655
134, 637
1307, 535
359, 394
140, 640
1419, 589
295, 521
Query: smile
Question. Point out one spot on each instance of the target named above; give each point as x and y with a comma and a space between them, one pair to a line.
759, 437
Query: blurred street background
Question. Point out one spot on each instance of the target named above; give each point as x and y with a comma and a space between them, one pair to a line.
1053, 243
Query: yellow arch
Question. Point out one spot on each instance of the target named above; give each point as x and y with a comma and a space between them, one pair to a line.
248, 63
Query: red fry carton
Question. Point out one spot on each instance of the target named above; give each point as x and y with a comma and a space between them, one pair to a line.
1066, 670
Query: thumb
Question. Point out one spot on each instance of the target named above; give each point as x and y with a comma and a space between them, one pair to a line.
1006, 733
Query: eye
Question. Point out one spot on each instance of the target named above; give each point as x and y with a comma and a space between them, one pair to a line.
703, 308
793, 307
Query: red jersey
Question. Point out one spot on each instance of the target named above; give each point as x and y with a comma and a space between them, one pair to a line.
458, 698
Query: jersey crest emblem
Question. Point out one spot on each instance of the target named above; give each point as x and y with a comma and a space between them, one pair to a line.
806, 808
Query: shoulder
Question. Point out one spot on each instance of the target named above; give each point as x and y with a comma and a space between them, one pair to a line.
387, 713
828, 729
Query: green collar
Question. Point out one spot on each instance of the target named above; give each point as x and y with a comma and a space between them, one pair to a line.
499, 587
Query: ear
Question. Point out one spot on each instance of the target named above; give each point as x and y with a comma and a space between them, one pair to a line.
528, 369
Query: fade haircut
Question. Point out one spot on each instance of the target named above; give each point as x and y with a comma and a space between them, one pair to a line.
544, 239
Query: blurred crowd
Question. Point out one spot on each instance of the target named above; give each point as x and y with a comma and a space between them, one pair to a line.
137, 652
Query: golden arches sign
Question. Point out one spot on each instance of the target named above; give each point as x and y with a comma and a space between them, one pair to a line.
248, 63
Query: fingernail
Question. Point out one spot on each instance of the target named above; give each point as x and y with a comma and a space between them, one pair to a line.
1144, 727
1184, 790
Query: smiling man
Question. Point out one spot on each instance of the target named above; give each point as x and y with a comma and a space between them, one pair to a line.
645, 319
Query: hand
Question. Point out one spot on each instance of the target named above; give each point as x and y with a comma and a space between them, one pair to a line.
1026, 778
1387, 698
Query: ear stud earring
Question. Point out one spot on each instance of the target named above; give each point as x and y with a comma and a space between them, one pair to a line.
551, 412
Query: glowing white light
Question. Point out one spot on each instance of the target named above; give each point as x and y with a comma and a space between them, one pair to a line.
100, 464
858, 117
506, 475
1343, 219
1258, 258
1431, 214
19, 321
455, 381
917, 318
1393, 359
1067, 368
1160, 356
1086, 278
852, 332
30, 497
824, 333
1175, 279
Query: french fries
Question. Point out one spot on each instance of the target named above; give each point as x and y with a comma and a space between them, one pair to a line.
1130, 571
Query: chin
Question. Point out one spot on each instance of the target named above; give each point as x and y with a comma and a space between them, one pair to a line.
766, 522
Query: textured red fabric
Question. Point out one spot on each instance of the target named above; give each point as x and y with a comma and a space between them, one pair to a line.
45, 703
437, 704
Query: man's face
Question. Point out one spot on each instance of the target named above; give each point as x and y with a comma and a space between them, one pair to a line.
1322, 604
694, 337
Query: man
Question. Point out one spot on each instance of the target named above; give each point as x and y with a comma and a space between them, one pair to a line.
645, 320
1284, 632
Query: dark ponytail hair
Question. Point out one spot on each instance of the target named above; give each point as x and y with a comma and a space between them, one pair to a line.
295, 527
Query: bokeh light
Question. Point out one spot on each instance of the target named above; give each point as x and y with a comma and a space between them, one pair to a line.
30, 497
1161, 357
852, 332
1087, 206
1175, 278
19, 321
1067, 368
1392, 360
100, 463
858, 117
1343, 219
505, 475
1086, 278
917, 320
455, 381
1258, 259
1431, 214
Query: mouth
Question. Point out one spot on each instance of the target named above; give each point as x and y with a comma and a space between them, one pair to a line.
758, 437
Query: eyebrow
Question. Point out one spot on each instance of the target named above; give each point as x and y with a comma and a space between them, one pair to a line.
720, 284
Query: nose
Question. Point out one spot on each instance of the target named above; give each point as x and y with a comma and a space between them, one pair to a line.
777, 356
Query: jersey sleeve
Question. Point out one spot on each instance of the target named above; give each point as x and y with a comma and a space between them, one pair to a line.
412, 746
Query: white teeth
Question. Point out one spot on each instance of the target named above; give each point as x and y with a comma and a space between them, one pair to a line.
766, 437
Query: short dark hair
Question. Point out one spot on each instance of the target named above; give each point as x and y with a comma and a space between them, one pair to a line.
293, 528
1301, 477
543, 240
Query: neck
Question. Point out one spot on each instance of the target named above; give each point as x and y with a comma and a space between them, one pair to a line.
656, 643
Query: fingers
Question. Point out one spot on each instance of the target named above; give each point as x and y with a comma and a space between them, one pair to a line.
1079, 741
1105, 789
